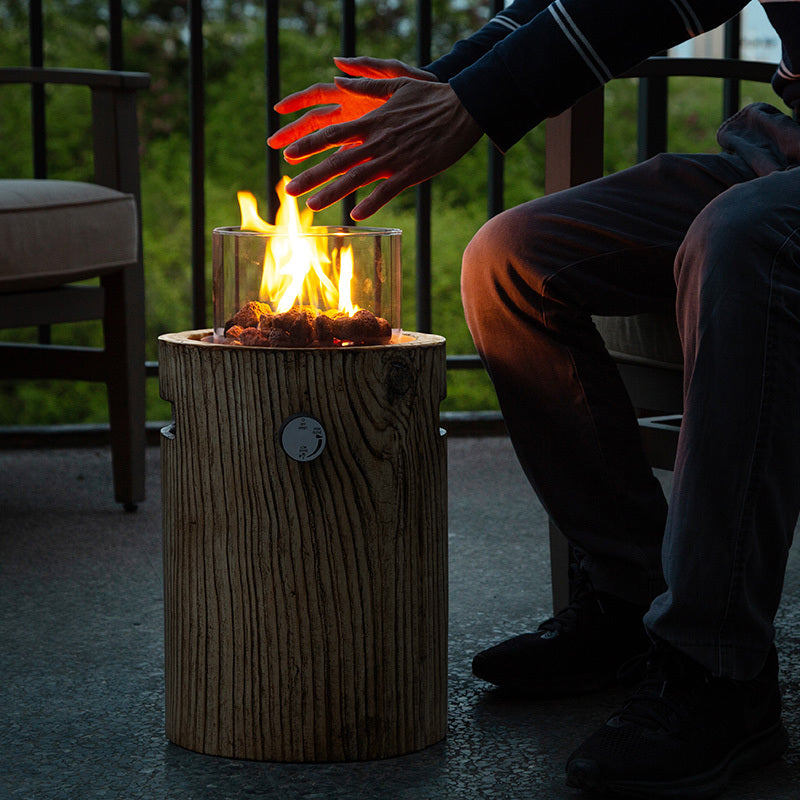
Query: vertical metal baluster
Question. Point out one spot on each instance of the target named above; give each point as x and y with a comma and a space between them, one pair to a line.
496, 165
731, 87
115, 44
348, 46
496, 181
423, 190
273, 83
651, 119
197, 157
38, 122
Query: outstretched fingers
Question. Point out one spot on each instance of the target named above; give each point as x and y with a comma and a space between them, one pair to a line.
375, 88
367, 94
351, 99
311, 96
317, 118
368, 67
346, 165
346, 133
312, 121
384, 192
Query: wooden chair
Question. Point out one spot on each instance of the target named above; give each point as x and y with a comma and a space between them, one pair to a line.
55, 233
646, 347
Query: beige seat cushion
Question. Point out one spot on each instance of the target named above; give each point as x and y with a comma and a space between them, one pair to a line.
643, 338
53, 232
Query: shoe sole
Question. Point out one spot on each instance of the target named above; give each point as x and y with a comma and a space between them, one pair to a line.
759, 750
574, 686
547, 685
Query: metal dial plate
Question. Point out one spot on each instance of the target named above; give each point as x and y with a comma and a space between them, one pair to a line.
302, 437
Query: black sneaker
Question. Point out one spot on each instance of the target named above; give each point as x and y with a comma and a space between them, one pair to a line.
683, 734
577, 651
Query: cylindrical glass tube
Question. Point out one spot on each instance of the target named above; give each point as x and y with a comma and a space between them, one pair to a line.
336, 272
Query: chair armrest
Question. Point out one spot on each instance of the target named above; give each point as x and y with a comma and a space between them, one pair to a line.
93, 78
574, 139
115, 131
727, 68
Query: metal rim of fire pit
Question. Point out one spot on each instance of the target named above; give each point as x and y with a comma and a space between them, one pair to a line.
314, 230
405, 338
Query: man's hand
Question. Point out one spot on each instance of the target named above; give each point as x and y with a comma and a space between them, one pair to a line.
344, 105
400, 130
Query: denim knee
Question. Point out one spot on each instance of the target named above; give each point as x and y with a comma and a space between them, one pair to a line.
728, 248
722, 269
482, 266
482, 261
504, 267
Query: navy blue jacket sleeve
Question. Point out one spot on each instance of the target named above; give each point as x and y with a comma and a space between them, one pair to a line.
535, 59
785, 18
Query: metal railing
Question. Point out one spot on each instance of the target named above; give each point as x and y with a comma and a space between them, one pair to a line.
652, 113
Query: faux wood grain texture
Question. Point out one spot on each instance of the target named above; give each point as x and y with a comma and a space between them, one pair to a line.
305, 603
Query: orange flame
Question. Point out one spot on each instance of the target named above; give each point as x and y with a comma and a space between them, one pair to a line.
297, 268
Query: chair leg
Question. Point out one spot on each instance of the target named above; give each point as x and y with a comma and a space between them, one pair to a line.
559, 568
123, 326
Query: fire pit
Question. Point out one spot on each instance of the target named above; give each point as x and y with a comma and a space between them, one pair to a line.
305, 519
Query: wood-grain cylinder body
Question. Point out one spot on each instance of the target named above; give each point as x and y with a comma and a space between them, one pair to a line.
305, 601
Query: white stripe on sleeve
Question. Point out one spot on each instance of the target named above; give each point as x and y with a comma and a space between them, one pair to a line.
690, 20
580, 42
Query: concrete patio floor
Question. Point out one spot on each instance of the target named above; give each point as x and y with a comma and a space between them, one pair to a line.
81, 652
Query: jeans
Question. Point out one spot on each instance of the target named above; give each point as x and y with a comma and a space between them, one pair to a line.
716, 238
